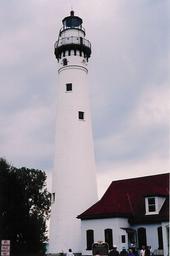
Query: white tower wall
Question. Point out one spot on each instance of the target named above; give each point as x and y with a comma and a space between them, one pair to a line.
74, 176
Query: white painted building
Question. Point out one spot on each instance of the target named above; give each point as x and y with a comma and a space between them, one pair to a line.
133, 211
74, 186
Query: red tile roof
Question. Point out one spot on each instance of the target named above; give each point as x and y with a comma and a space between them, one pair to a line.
126, 198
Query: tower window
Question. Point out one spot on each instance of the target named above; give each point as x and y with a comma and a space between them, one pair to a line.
69, 87
81, 115
65, 62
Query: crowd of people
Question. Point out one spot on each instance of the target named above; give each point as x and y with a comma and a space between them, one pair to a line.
132, 251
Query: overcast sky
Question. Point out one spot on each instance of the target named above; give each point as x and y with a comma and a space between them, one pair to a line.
128, 83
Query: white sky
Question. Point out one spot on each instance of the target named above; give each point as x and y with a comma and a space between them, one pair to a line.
128, 82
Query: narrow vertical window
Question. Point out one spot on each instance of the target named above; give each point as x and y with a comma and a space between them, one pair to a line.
142, 237
81, 115
160, 238
69, 87
123, 239
109, 237
89, 238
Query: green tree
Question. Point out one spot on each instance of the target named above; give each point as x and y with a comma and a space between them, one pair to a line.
24, 208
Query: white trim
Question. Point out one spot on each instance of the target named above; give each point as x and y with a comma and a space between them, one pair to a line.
159, 201
72, 67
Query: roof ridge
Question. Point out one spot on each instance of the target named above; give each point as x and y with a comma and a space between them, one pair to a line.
143, 177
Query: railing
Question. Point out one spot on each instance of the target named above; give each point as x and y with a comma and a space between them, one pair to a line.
72, 40
65, 28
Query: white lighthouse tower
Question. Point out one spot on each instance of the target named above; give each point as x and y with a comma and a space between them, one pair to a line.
74, 186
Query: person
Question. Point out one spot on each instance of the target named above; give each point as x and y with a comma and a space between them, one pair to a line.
123, 252
151, 251
113, 251
142, 251
69, 253
135, 252
147, 251
97, 253
130, 252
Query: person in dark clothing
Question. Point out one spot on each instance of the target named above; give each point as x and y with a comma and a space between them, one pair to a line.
130, 252
113, 251
123, 252
135, 252
147, 251
69, 253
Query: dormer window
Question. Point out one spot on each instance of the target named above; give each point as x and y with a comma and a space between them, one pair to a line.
153, 204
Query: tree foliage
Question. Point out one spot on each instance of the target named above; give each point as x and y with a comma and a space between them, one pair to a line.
24, 208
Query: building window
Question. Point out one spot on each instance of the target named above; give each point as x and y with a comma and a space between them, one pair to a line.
123, 239
151, 204
160, 238
81, 115
109, 237
68, 87
65, 62
89, 239
142, 237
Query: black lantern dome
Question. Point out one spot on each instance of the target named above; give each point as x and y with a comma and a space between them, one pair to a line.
72, 21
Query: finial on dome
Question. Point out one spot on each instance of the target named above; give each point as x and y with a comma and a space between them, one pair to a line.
72, 13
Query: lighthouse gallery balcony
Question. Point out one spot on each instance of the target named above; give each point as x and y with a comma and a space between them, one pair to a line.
72, 43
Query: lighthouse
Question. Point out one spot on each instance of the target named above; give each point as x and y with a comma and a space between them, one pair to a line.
74, 187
